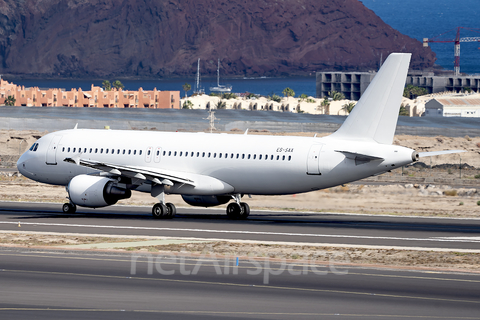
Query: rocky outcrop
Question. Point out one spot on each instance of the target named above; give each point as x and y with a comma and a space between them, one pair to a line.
100, 38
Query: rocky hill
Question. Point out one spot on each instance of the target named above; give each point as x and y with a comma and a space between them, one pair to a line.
100, 38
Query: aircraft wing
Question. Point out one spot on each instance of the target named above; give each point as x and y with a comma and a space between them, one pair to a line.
151, 174
437, 153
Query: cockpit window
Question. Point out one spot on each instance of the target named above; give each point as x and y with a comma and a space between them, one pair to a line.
34, 147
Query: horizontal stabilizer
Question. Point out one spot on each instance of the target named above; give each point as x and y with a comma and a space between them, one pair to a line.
437, 153
359, 158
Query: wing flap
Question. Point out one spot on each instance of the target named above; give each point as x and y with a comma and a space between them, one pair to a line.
153, 175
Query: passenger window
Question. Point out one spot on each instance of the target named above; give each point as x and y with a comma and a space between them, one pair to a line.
140, 152
198, 154
175, 154
238, 155
192, 154
271, 157
215, 155
129, 151
283, 158
254, 156
243, 156
123, 151
134, 152
101, 150
63, 149
118, 151
181, 152
219, 155
85, 150
278, 157
169, 153
289, 158
91, 150
96, 150
260, 157
106, 150
203, 155
74, 150
231, 156
266, 157
249, 157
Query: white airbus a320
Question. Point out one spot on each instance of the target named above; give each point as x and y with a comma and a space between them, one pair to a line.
101, 167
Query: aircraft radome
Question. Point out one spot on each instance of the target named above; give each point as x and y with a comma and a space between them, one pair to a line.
101, 167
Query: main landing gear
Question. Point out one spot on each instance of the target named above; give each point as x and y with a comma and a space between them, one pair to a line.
69, 208
238, 210
164, 211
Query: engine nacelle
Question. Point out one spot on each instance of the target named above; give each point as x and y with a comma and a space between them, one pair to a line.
95, 192
205, 201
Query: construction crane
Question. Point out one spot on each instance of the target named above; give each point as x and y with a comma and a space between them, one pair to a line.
457, 40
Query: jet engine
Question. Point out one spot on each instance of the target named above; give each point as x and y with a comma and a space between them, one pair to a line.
95, 192
205, 201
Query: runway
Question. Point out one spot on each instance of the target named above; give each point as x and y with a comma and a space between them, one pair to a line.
292, 227
50, 285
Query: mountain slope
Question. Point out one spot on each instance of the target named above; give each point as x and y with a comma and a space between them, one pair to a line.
99, 38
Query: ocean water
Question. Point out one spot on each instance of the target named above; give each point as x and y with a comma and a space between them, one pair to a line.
430, 18
416, 18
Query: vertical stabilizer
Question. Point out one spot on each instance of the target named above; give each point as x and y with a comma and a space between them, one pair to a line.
376, 113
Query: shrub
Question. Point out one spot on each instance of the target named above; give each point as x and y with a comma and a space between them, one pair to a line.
450, 193
477, 176
478, 203
461, 203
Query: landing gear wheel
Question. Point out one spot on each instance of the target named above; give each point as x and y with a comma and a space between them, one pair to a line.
233, 210
238, 211
245, 212
159, 211
171, 210
69, 208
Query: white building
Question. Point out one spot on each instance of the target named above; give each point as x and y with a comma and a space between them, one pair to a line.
454, 106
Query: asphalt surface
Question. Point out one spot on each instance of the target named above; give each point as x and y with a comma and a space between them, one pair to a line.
50, 285
295, 227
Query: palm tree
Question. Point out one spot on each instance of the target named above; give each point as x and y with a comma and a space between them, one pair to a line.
10, 101
186, 87
118, 85
287, 92
335, 95
325, 105
348, 107
106, 85
303, 97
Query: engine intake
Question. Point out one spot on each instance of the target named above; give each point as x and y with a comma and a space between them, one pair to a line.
95, 192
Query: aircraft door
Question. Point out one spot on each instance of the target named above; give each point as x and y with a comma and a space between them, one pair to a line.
148, 154
158, 154
52, 150
313, 159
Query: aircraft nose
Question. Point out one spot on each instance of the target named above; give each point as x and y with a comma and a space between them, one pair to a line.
22, 164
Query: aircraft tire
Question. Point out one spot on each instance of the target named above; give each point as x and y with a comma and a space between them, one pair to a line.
69, 208
234, 210
245, 212
159, 211
172, 210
